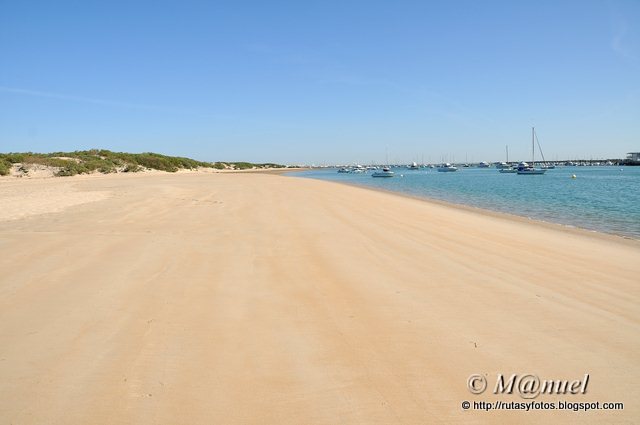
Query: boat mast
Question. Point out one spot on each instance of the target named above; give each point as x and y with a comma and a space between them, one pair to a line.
533, 147
507, 149
540, 148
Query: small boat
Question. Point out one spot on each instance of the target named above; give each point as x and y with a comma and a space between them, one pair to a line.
504, 167
385, 172
483, 164
447, 168
413, 166
526, 169
344, 170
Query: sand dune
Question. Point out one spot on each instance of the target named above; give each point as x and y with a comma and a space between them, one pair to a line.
255, 298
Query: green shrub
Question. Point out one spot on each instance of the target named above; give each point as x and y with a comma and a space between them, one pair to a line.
5, 167
105, 161
132, 168
242, 165
67, 171
12, 158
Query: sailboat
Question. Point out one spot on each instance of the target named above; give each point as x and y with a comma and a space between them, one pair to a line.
504, 167
446, 167
386, 171
523, 167
546, 165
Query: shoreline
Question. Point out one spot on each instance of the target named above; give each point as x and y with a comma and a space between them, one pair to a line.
489, 212
258, 298
566, 228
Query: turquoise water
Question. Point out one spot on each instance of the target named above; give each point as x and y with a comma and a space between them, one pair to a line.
605, 199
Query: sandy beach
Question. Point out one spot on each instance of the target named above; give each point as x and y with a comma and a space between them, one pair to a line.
250, 298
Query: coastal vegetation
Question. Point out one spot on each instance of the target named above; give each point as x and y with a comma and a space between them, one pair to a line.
105, 161
244, 165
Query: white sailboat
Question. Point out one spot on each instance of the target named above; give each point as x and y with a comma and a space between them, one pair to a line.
526, 169
386, 171
504, 167
546, 165
446, 167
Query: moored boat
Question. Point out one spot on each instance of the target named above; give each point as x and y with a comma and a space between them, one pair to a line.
504, 167
526, 168
447, 168
530, 169
385, 172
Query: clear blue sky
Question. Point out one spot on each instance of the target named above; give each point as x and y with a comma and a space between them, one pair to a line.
314, 82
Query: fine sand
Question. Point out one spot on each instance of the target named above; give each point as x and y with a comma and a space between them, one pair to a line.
265, 299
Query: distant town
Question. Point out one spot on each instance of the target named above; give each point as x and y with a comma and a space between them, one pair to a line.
632, 159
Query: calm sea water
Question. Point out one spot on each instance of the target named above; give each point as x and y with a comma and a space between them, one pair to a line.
605, 199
